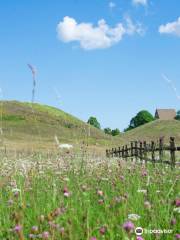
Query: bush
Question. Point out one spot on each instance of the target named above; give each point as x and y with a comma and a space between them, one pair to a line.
94, 122
141, 118
115, 132
108, 131
178, 115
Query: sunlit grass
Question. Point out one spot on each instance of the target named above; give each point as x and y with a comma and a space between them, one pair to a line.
80, 197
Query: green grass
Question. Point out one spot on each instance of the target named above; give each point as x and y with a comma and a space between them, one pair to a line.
26, 123
153, 131
25, 126
101, 195
13, 118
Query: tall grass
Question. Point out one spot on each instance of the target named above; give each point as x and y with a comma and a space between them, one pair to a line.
75, 196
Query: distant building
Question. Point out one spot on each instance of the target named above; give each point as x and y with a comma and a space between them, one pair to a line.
165, 114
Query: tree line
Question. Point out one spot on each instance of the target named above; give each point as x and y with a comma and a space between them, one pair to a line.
139, 119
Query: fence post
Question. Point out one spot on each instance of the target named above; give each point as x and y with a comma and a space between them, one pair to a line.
119, 152
161, 149
123, 152
136, 150
112, 152
172, 152
115, 152
126, 152
145, 151
140, 151
153, 152
107, 153
132, 151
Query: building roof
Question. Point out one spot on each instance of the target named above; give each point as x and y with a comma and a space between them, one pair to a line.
165, 114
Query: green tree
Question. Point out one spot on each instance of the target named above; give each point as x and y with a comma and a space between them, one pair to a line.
178, 115
108, 131
115, 132
141, 118
94, 122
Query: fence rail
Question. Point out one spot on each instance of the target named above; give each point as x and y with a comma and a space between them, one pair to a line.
149, 152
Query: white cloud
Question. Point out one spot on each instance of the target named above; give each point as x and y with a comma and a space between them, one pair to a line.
171, 28
112, 5
140, 2
131, 28
94, 37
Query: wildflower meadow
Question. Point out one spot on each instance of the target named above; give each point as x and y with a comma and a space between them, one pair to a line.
79, 196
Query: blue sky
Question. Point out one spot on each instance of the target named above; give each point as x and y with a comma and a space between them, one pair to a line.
111, 70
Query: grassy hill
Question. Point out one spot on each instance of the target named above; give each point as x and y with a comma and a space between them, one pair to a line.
26, 125
35, 124
153, 131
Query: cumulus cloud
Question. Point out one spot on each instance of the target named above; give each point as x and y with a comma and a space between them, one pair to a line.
94, 37
171, 28
140, 2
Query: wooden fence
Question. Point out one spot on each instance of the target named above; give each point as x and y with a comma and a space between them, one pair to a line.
153, 152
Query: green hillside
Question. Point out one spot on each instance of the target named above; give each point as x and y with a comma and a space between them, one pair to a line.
153, 131
26, 124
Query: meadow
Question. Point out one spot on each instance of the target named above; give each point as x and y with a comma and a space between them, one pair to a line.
84, 196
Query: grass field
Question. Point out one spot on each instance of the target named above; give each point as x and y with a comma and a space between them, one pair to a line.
51, 193
27, 125
153, 131
77, 196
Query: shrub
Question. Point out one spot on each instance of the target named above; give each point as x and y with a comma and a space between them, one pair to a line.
141, 118
178, 115
108, 131
94, 122
115, 132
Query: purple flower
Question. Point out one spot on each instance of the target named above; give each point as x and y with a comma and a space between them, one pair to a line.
93, 238
16, 194
177, 236
102, 230
144, 173
45, 235
139, 238
173, 221
17, 228
34, 229
128, 226
122, 177
100, 193
66, 194
177, 202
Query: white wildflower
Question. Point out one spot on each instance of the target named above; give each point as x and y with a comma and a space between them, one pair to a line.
16, 190
65, 145
177, 210
133, 217
142, 191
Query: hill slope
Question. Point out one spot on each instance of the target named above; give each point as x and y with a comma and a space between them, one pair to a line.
153, 131
28, 123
